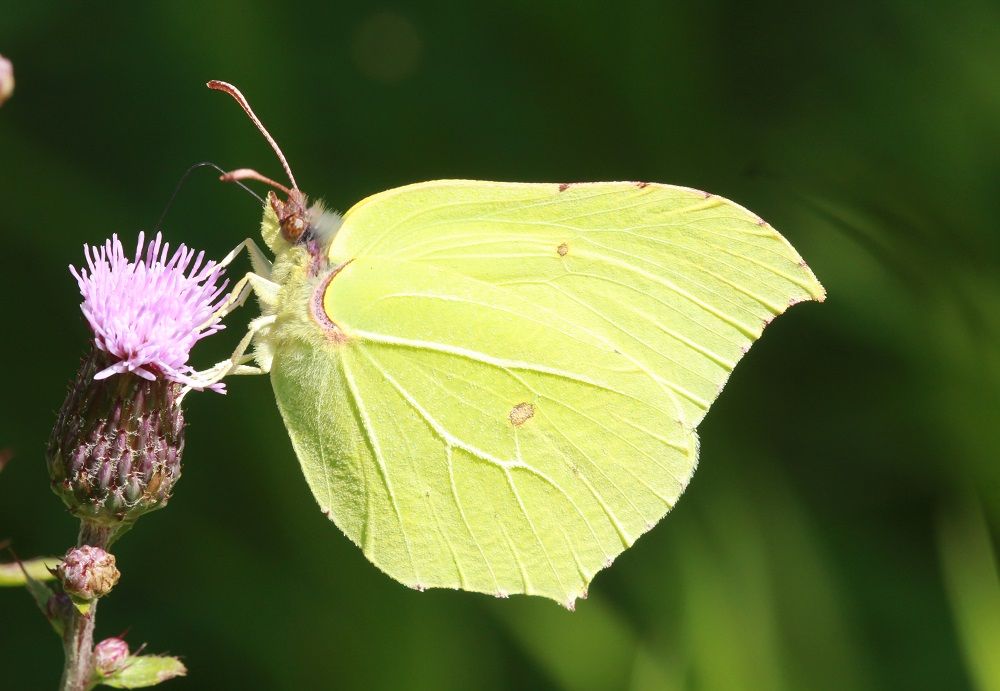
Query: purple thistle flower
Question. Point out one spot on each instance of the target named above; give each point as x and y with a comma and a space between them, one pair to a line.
150, 312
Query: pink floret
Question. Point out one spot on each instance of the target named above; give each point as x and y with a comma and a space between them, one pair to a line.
150, 312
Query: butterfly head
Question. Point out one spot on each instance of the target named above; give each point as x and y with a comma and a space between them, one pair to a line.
293, 215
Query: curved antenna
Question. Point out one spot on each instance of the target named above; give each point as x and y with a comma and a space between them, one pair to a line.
239, 98
184, 177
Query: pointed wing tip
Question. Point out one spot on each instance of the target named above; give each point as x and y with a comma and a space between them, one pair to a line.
817, 293
816, 290
820, 291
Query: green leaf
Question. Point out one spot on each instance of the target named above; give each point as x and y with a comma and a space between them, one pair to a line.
31, 574
141, 671
13, 575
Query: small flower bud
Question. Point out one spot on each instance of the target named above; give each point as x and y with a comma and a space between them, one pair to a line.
6, 79
88, 572
110, 655
59, 607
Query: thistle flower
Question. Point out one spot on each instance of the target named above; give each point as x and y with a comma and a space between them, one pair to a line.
148, 313
115, 451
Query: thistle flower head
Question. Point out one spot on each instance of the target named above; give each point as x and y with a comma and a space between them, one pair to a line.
115, 451
148, 313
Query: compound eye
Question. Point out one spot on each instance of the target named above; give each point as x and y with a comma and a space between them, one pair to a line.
292, 228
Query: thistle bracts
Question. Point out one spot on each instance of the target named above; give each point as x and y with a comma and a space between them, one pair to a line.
115, 451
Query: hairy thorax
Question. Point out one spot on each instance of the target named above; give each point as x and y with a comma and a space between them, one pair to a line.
301, 320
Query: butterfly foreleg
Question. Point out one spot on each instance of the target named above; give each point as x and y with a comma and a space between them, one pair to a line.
258, 260
265, 290
257, 281
236, 364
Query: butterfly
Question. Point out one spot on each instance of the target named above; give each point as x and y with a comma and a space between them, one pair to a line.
496, 386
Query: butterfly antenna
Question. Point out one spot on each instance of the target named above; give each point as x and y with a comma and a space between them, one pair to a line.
239, 98
173, 196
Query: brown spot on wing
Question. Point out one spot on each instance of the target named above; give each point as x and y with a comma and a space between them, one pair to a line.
641, 185
564, 186
521, 413
562, 249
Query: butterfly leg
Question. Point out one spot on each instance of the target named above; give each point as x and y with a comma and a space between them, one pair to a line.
265, 290
256, 281
258, 260
259, 283
235, 364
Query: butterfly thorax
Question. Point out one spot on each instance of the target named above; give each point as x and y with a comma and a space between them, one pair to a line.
303, 271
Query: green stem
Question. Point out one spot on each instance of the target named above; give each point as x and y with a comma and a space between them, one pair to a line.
78, 638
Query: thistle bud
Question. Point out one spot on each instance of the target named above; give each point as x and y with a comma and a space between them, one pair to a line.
6, 79
88, 572
115, 451
58, 608
110, 656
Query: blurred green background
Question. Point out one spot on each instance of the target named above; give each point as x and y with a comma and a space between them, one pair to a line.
841, 531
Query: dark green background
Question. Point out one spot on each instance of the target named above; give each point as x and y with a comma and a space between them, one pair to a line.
841, 529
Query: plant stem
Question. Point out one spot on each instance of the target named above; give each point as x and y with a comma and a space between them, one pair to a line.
78, 638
